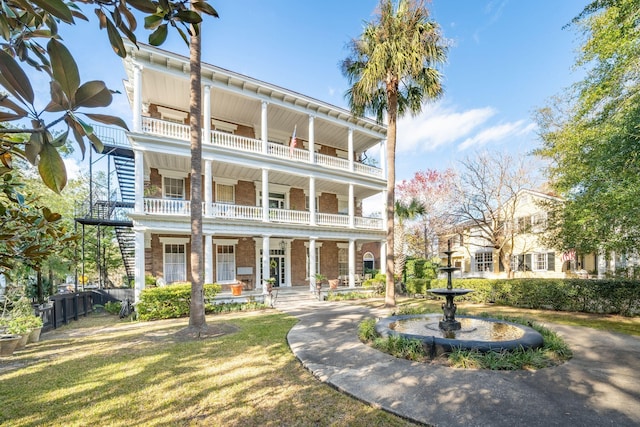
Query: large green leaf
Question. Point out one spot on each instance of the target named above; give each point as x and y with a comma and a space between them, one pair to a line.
93, 94
64, 68
7, 117
107, 119
145, 6
204, 7
77, 133
14, 79
33, 148
115, 40
51, 168
189, 16
59, 101
158, 36
7, 103
57, 8
152, 21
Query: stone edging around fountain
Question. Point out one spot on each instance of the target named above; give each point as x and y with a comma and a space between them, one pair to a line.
437, 345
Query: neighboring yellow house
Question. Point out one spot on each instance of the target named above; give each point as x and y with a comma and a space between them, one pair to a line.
523, 221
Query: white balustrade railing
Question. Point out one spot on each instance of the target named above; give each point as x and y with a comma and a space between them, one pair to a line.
254, 213
288, 216
332, 162
165, 128
222, 139
227, 140
332, 219
167, 207
369, 223
222, 210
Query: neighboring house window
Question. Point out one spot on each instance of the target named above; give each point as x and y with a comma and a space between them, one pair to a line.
368, 261
484, 261
173, 188
225, 194
317, 262
175, 263
343, 261
225, 263
539, 262
524, 224
539, 222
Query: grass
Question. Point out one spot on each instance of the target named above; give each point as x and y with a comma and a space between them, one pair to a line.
102, 371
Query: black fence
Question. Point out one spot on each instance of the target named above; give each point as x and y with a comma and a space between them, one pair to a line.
63, 308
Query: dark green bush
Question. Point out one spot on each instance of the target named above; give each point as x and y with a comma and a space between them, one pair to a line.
113, 307
377, 283
610, 296
417, 286
170, 301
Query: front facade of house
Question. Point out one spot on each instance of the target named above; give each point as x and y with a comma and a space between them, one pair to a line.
529, 257
273, 206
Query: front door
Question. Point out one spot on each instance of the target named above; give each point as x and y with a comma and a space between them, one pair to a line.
276, 268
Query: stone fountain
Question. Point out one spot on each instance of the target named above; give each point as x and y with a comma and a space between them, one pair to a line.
449, 322
443, 334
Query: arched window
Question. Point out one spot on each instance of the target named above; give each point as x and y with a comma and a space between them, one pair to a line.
368, 262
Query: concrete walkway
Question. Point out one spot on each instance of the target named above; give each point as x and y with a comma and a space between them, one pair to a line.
600, 386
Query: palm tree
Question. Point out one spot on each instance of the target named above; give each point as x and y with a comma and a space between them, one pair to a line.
391, 68
404, 211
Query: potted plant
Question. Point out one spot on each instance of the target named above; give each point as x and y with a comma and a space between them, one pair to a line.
320, 278
8, 344
236, 289
19, 325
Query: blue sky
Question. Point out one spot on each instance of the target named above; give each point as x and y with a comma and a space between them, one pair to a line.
507, 57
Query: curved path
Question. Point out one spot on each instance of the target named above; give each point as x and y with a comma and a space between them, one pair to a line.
599, 386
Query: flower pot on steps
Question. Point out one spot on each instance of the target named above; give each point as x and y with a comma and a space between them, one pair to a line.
236, 290
34, 336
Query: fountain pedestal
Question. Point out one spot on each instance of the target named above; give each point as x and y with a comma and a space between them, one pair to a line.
449, 322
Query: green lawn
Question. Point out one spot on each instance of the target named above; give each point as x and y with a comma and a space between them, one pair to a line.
102, 371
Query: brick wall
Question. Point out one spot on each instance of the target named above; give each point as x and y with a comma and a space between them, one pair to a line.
297, 199
328, 203
245, 193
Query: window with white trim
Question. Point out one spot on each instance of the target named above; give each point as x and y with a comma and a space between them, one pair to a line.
484, 261
343, 206
225, 263
225, 194
173, 188
306, 203
539, 261
343, 261
175, 263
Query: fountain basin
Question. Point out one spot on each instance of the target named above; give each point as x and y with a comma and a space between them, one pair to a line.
446, 291
476, 333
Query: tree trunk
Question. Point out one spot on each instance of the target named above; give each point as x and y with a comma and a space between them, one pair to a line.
392, 112
197, 321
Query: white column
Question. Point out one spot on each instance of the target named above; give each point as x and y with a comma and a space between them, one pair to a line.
208, 189
602, 264
352, 263
312, 201
265, 195
265, 261
208, 258
137, 98
287, 263
139, 264
383, 157
350, 145
206, 103
312, 139
352, 208
138, 185
264, 127
383, 256
312, 264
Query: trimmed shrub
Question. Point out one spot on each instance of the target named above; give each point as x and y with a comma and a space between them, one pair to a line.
113, 307
377, 283
170, 301
417, 286
608, 296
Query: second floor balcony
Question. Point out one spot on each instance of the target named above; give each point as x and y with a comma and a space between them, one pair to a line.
172, 207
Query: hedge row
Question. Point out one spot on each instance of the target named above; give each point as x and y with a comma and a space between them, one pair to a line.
170, 301
609, 296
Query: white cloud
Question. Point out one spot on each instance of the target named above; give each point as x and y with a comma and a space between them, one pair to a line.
73, 168
439, 126
497, 133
